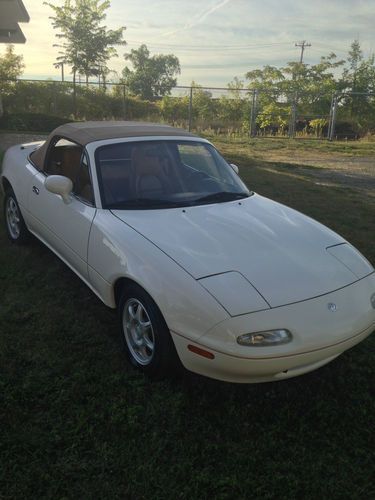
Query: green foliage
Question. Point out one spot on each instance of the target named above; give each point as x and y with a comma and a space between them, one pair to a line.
273, 115
87, 45
57, 98
11, 67
310, 86
359, 77
151, 76
174, 110
36, 122
234, 105
317, 125
40, 97
204, 107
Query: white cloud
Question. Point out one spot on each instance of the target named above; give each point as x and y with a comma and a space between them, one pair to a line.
198, 18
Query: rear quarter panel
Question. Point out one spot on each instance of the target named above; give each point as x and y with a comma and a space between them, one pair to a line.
18, 171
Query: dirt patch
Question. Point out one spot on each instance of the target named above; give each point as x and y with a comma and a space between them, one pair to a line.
327, 168
336, 162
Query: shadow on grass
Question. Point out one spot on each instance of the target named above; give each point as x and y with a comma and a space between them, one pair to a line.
313, 173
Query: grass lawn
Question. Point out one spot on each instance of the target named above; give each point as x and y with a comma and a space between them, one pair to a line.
362, 147
77, 422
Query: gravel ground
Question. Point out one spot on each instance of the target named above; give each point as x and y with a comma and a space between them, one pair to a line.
7, 140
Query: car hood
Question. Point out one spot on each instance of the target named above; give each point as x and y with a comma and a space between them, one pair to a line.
280, 251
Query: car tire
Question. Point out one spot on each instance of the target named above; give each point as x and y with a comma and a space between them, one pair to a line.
15, 225
145, 335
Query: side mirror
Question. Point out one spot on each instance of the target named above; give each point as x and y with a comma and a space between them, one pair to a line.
235, 168
58, 184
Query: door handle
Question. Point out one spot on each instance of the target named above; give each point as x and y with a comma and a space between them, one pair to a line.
35, 190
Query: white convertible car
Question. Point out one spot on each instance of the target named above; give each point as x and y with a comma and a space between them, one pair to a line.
202, 270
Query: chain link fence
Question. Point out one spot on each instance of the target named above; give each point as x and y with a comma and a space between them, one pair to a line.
30, 104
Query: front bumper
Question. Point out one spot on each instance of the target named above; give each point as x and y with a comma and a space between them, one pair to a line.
319, 336
252, 370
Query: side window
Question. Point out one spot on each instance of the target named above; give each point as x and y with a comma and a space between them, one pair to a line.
66, 158
83, 185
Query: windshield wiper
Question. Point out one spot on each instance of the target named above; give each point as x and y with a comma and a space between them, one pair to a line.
222, 196
144, 203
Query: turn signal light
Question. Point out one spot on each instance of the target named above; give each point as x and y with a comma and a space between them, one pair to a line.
201, 352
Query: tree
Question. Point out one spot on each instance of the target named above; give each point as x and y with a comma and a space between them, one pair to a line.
309, 87
11, 67
151, 76
87, 45
358, 79
233, 106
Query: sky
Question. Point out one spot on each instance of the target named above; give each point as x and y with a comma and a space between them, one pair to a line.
215, 40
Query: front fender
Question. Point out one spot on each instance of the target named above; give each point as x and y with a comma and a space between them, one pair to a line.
118, 251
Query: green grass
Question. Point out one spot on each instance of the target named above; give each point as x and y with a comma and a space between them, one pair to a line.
77, 422
284, 144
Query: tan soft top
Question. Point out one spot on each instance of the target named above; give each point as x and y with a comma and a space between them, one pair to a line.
85, 132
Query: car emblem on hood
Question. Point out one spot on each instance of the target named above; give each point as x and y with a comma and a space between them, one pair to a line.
332, 307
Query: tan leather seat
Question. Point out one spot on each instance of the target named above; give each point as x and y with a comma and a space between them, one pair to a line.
150, 178
116, 181
71, 167
70, 162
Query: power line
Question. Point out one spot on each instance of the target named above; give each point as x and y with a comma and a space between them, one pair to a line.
207, 47
302, 44
329, 47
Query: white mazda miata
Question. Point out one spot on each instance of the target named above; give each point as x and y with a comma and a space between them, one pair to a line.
160, 226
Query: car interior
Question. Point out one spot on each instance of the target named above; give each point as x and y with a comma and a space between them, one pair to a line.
65, 158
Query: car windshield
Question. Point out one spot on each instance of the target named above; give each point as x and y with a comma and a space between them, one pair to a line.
165, 174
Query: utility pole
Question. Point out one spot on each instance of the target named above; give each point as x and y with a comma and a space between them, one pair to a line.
293, 110
190, 109
302, 44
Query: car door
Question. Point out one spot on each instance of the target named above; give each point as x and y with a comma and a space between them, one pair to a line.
64, 227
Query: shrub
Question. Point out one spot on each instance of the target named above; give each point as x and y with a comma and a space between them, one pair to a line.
31, 122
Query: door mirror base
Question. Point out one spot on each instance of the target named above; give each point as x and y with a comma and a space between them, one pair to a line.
235, 168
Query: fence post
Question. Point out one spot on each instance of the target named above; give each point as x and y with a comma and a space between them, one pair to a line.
332, 118
190, 108
124, 100
253, 113
293, 115
55, 110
